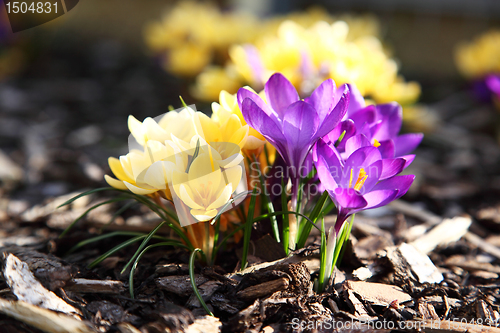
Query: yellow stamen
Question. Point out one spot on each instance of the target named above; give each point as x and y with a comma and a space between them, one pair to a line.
376, 144
361, 179
350, 180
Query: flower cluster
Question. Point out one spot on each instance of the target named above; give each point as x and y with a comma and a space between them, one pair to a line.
480, 61
185, 157
309, 55
356, 149
331, 139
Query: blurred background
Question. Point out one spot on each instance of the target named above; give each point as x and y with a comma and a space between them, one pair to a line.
67, 86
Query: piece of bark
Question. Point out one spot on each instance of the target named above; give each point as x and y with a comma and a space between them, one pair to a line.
421, 265
206, 291
179, 285
357, 306
312, 264
127, 328
480, 243
377, 293
52, 272
43, 319
471, 265
268, 249
206, 324
95, 286
367, 247
172, 269
28, 289
427, 311
446, 232
263, 289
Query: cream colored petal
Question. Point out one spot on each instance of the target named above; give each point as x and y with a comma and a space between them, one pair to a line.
138, 190
231, 161
155, 176
202, 168
117, 169
115, 183
232, 176
136, 129
223, 198
153, 130
187, 196
127, 166
253, 143
211, 132
203, 215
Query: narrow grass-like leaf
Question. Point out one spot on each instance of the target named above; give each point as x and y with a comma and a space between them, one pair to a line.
321, 276
345, 239
248, 229
88, 211
228, 237
115, 249
193, 282
305, 228
270, 209
70, 201
101, 237
136, 262
143, 244
221, 210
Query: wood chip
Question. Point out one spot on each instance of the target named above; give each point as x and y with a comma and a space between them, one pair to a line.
95, 286
480, 243
448, 231
207, 324
446, 326
263, 289
28, 289
427, 311
206, 291
179, 285
43, 319
127, 328
377, 293
421, 265
471, 265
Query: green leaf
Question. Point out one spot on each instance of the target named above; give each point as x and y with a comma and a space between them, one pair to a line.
193, 282
88, 211
70, 201
115, 249
321, 276
143, 244
248, 229
305, 229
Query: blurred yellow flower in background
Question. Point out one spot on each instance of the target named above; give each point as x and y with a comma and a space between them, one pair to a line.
479, 57
309, 55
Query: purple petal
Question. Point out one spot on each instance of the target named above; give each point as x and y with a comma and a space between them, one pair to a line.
245, 93
373, 173
356, 100
300, 122
322, 98
361, 158
280, 93
493, 83
391, 115
348, 198
356, 142
379, 198
261, 122
406, 143
408, 160
328, 163
335, 116
255, 62
400, 183
347, 126
363, 117
386, 149
391, 167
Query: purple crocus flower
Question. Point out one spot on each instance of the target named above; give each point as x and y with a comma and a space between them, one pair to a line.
493, 83
362, 182
293, 125
380, 124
